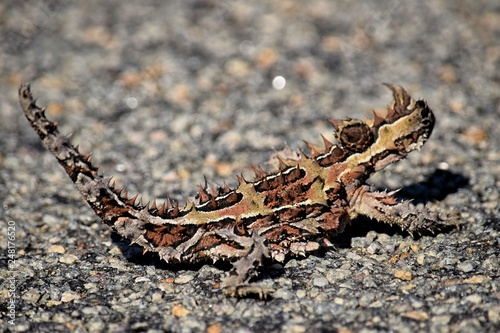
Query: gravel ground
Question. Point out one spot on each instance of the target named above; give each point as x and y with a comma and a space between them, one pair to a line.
166, 94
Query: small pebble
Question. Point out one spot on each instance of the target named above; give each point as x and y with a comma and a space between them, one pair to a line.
56, 249
320, 281
466, 266
183, 279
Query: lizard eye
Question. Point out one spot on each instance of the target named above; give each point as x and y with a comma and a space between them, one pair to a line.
355, 136
427, 116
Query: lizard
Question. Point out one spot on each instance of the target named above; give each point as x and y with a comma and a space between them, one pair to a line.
291, 211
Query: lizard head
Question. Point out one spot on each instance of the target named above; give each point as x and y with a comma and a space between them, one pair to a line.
385, 140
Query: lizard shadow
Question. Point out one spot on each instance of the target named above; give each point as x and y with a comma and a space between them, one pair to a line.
435, 187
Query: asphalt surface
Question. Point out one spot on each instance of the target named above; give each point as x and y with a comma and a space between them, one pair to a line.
168, 93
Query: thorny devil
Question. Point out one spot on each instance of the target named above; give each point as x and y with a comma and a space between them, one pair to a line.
288, 212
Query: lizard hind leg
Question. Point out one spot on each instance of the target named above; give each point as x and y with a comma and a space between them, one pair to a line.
237, 283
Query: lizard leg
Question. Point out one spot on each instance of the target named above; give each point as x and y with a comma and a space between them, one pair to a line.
237, 283
384, 207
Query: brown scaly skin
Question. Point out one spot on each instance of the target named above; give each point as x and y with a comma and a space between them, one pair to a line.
289, 212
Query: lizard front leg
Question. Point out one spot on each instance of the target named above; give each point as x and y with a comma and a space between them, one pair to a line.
384, 207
